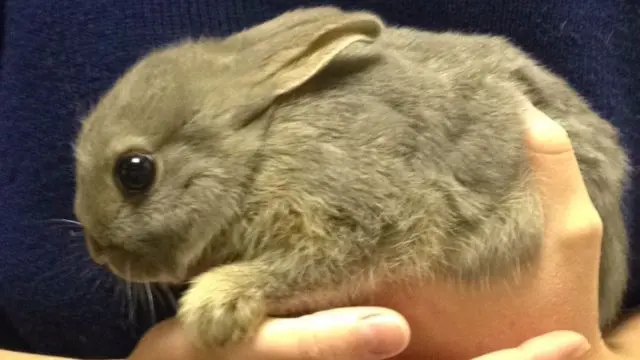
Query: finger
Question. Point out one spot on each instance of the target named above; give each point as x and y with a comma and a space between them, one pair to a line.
559, 345
348, 333
567, 208
168, 341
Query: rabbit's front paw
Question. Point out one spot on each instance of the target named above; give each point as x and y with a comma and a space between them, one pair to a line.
221, 317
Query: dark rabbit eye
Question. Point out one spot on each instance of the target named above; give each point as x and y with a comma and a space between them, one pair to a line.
135, 173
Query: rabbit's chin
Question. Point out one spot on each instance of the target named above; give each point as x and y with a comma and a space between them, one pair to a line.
146, 277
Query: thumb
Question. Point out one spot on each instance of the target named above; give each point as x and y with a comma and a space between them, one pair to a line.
557, 345
364, 333
567, 209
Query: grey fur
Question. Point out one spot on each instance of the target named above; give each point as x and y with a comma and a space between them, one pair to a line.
324, 150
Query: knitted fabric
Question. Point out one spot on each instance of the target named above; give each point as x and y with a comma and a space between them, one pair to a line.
58, 57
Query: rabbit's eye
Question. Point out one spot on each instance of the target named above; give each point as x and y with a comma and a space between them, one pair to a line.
135, 173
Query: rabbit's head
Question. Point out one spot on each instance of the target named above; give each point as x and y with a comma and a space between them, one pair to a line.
165, 159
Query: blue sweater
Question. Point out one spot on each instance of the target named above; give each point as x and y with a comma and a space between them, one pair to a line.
57, 57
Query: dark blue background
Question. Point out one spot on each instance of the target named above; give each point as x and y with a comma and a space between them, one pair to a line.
58, 56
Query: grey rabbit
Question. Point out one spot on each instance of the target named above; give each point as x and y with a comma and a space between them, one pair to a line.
300, 162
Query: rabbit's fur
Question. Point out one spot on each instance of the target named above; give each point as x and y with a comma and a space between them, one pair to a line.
322, 152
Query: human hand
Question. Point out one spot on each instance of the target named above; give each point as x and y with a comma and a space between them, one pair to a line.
559, 292
553, 155
344, 334
557, 345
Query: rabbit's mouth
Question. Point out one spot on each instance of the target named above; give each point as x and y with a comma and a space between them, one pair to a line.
134, 268
134, 273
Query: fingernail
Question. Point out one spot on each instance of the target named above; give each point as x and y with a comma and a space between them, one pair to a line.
576, 347
544, 125
385, 333
546, 135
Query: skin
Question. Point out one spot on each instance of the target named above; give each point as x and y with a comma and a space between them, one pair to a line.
570, 256
564, 277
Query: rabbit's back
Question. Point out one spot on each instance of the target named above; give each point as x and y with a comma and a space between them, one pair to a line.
409, 154
390, 149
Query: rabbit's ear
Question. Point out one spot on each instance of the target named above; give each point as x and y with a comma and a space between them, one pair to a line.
282, 25
287, 59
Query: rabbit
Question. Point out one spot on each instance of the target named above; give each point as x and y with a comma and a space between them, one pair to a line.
302, 162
